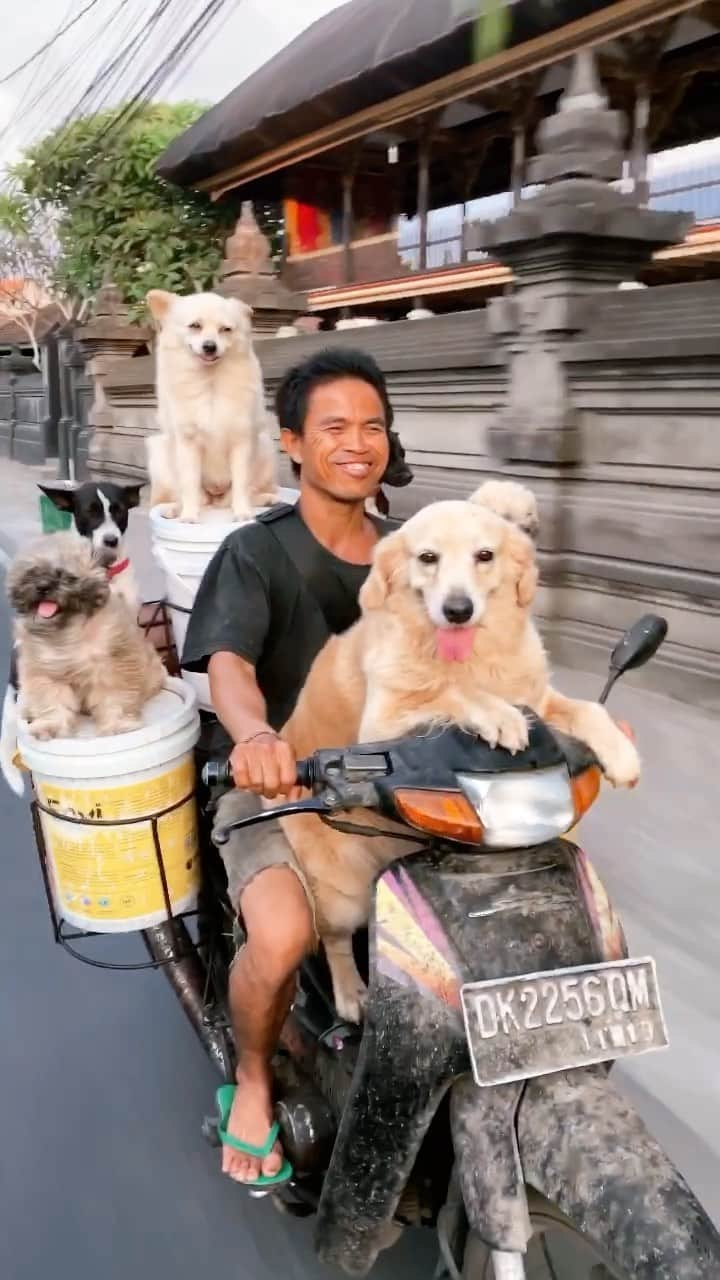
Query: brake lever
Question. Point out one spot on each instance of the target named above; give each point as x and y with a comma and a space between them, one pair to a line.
317, 804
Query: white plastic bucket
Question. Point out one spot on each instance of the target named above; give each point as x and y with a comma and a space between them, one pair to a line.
183, 552
106, 877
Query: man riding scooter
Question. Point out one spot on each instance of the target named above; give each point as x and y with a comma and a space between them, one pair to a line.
271, 596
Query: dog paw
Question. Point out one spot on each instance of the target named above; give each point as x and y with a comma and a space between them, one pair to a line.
241, 515
351, 1000
171, 511
118, 724
189, 515
513, 730
621, 762
46, 727
506, 728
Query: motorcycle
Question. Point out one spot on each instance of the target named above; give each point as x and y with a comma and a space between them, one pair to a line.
476, 1097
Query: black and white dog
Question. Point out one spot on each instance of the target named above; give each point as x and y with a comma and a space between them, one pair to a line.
100, 514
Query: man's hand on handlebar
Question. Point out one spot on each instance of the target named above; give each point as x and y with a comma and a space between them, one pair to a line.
266, 765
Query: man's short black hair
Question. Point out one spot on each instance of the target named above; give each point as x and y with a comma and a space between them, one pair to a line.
291, 398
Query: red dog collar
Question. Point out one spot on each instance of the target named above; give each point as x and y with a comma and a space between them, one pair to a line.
113, 570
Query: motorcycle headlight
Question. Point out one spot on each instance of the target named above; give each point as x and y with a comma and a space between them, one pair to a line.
521, 809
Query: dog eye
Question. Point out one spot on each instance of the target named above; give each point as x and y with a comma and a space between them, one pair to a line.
485, 555
428, 557
195, 324
226, 328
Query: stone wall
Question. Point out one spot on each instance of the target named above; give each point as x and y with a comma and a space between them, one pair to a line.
633, 525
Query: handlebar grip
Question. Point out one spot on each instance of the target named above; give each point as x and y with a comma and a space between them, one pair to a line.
305, 774
217, 773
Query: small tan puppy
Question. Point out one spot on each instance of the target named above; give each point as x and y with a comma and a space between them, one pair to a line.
213, 444
79, 648
515, 502
445, 636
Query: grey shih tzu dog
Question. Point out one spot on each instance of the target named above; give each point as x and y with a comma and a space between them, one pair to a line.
79, 649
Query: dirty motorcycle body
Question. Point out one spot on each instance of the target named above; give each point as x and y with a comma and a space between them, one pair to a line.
500, 991
476, 1098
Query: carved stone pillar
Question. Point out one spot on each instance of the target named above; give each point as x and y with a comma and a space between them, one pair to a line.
108, 336
577, 236
247, 273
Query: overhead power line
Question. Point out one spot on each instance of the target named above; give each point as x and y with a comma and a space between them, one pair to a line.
48, 43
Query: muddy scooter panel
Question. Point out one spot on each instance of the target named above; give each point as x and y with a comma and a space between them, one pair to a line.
414, 1043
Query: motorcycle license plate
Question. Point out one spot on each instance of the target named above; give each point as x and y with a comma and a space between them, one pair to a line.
544, 1022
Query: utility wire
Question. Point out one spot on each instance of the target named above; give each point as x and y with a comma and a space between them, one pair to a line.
48, 43
52, 94
169, 64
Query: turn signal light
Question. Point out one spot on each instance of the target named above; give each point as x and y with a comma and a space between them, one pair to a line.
441, 813
585, 787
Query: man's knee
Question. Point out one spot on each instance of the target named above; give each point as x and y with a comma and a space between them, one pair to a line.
278, 923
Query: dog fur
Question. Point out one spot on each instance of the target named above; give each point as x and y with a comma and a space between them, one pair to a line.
100, 513
384, 678
515, 502
89, 657
213, 445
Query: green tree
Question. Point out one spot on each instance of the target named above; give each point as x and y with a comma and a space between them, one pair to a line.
114, 218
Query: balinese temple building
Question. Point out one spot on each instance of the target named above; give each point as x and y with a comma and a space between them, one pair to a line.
382, 138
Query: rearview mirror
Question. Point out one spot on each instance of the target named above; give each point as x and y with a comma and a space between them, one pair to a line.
635, 648
639, 643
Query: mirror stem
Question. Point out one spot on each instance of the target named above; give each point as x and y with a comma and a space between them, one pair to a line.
612, 677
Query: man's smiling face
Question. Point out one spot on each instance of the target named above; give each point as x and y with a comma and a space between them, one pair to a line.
343, 450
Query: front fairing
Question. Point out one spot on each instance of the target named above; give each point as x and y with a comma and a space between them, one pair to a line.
440, 920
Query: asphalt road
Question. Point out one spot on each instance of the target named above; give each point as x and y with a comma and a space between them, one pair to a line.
103, 1170
102, 1167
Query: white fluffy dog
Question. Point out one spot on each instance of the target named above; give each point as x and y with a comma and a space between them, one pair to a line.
213, 445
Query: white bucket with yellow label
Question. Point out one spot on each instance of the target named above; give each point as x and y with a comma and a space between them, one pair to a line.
120, 792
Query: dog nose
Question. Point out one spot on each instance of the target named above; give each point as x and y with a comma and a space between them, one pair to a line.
110, 540
458, 609
209, 347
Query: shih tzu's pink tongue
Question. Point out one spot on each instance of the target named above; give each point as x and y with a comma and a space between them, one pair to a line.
454, 644
47, 609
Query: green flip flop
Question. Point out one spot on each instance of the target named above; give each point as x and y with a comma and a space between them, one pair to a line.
224, 1100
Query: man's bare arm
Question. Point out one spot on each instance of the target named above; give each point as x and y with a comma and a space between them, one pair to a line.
260, 761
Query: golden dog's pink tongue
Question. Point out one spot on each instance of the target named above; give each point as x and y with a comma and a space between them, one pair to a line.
47, 609
454, 644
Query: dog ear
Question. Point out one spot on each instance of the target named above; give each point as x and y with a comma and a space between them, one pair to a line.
22, 585
132, 495
159, 302
92, 594
63, 499
242, 311
398, 472
522, 554
384, 571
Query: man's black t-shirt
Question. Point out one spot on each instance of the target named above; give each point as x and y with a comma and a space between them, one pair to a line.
253, 602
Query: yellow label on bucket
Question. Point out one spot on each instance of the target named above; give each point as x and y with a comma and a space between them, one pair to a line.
110, 874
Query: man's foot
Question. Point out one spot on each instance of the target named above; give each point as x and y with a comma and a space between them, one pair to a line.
251, 1118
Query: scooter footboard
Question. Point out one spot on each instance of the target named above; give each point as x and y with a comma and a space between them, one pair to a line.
583, 1146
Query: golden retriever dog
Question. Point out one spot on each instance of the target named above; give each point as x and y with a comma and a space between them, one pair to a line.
445, 636
79, 648
213, 445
